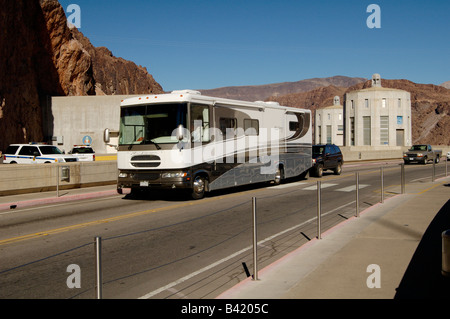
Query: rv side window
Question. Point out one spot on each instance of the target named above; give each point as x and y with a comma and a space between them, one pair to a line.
228, 126
251, 127
200, 123
294, 126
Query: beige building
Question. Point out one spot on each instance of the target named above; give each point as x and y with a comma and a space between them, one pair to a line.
78, 120
377, 116
329, 124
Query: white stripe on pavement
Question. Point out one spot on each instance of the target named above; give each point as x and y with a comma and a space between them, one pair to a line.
351, 188
287, 185
314, 187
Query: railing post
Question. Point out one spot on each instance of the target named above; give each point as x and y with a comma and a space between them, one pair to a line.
446, 168
255, 241
357, 194
382, 184
433, 171
98, 259
319, 209
402, 175
57, 180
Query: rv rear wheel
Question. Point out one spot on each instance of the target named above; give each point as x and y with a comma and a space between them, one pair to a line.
278, 176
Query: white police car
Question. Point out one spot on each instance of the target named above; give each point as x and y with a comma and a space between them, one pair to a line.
35, 154
84, 153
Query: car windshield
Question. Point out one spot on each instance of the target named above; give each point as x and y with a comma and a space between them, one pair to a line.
82, 150
149, 124
419, 148
317, 150
50, 150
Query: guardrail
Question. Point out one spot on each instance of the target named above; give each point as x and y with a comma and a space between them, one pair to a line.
94, 281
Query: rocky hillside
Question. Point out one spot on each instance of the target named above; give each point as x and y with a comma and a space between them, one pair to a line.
263, 92
114, 75
40, 57
430, 106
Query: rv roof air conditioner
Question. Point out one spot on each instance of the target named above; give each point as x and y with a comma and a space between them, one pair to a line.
268, 103
186, 92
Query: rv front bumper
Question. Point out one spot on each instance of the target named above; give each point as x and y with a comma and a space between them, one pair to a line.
154, 180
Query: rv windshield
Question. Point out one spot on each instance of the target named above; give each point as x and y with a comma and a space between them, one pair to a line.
151, 124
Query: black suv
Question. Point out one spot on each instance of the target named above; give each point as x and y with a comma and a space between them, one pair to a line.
328, 156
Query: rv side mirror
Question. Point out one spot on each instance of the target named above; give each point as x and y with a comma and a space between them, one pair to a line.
180, 132
106, 137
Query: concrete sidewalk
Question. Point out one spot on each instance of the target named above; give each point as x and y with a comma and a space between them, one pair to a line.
396, 245
51, 197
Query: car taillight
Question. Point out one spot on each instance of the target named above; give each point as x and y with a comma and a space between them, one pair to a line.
94, 157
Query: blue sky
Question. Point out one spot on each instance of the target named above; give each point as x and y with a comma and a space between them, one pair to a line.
204, 44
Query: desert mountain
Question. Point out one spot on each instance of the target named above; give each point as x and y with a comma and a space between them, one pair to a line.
430, 106
263, 92
446, 84
40, 57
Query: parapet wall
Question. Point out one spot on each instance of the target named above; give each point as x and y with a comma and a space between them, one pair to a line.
17, 179
368, 153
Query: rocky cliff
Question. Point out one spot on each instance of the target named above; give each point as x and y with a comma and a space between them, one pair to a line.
114, 75
40, 57
430, 106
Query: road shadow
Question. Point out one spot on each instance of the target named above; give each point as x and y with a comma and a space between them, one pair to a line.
423, 278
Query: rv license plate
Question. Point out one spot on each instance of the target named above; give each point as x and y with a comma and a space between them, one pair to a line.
144, 184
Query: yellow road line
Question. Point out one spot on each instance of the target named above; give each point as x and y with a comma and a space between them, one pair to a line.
111, 219
430, 188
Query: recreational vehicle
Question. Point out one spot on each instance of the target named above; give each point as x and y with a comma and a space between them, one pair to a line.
184, 140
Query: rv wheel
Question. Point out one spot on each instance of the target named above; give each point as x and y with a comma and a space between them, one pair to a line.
198, 190
278, 176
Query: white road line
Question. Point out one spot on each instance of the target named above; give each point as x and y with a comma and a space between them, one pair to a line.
351, 188
428, 177
314, 187
185, 278
287, 185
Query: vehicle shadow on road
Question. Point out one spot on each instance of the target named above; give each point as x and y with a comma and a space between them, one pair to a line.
181, 196
423, 278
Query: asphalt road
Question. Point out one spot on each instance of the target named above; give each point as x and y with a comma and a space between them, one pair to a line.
165, 246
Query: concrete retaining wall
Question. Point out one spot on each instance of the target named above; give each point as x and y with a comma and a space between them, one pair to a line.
17, 179
367, 153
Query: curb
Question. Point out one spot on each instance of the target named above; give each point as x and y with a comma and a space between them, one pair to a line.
52, 200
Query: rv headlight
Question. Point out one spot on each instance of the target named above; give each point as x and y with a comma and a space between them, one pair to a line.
123, 175
173, 175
